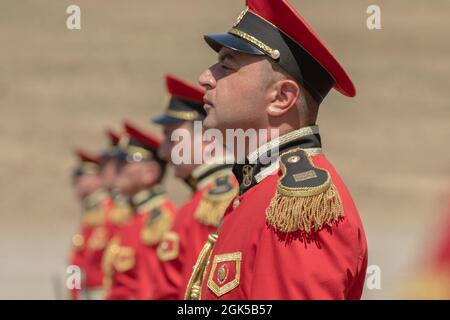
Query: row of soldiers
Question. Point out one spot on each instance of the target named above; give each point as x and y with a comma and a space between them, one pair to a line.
286, 228
131, 230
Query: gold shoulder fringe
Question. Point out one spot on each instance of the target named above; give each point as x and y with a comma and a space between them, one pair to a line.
304, 209
212, 207
120, 214
153, 232
94, 217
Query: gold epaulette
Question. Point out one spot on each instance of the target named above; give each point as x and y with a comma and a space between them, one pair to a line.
159, 222
94, 217
306, 198
120, 213
215, 201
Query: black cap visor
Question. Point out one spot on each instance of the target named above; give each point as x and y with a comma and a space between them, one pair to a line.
166, 120
217, 41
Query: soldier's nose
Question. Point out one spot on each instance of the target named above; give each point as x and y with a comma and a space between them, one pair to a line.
206, 79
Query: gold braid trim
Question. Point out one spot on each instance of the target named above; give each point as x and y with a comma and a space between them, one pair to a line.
304, 209
212, 207
154, 231
193, 290
183, 115
109, 255
273, 53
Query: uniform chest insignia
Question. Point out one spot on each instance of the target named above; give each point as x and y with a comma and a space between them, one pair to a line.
158, 223
306, 199
215, 201
225, 273
169, 247
98, 239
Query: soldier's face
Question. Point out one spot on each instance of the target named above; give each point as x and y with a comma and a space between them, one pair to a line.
136, 176
236, 91
109, 173
182, 170
87, 184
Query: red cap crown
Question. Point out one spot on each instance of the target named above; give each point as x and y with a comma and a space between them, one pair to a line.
85, 156
113, 136
184, 90
141, 136
284, 17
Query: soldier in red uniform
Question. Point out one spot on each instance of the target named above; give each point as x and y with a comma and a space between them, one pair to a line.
87, 184
433, 281
130, 260
116, 212
293, 232
213, 188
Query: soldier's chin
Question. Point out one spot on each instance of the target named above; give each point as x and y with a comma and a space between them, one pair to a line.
209, 122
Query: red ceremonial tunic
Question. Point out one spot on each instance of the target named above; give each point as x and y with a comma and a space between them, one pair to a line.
193, 223
130, 260
115, 214
252, 260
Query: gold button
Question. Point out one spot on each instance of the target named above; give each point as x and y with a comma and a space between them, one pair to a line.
78, 240
235, 203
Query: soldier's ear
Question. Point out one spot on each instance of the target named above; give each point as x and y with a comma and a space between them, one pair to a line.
283, 97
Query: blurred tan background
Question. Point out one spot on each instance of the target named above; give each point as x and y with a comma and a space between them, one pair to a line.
61, 88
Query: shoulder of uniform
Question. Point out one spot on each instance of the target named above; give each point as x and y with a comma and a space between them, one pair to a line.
222, 186
120, 213
94, 217
215, 199
159, 221
306, 199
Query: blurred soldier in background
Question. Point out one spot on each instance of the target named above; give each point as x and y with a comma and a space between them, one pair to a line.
87, 184
212, 184
433, 282
116, 211
130, 259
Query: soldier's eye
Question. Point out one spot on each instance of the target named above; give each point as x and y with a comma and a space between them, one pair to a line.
225, 67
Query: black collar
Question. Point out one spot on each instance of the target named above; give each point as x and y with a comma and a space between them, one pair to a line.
142, 200
267, 155
203, 172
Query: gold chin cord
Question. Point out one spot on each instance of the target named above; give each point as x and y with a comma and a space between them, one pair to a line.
193, 291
